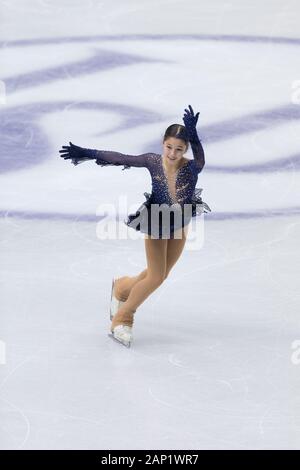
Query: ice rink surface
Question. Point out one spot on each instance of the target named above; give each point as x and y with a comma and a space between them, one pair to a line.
215, 362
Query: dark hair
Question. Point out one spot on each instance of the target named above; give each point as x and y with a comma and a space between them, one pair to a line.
179, 132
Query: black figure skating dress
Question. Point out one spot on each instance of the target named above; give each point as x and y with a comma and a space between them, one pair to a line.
162, 213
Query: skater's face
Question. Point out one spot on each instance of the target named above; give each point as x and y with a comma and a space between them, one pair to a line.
173, 150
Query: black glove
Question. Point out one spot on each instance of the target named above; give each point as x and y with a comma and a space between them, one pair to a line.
77, 154
190, 122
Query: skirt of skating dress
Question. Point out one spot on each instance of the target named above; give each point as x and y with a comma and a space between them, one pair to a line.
162, 220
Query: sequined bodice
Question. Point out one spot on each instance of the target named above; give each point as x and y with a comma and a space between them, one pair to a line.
170, 189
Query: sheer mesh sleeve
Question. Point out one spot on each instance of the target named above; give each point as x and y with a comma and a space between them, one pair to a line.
107, 157
198, 153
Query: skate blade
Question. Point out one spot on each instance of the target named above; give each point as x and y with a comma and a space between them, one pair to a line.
125, 343
111, 300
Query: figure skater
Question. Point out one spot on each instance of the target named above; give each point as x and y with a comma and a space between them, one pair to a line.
163, 217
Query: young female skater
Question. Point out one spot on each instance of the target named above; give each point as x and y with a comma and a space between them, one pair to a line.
163, 218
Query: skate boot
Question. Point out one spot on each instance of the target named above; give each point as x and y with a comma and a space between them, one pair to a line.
121, 327
115, 304
122, 334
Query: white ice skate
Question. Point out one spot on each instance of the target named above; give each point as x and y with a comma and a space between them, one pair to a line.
122, 334
115, 304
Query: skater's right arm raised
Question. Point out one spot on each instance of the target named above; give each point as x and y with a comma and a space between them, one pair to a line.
102, 157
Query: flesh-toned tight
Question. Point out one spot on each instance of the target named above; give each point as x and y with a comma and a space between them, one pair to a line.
161, 255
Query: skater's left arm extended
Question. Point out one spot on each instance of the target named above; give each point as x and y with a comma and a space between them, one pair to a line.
102, 157
190, 122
